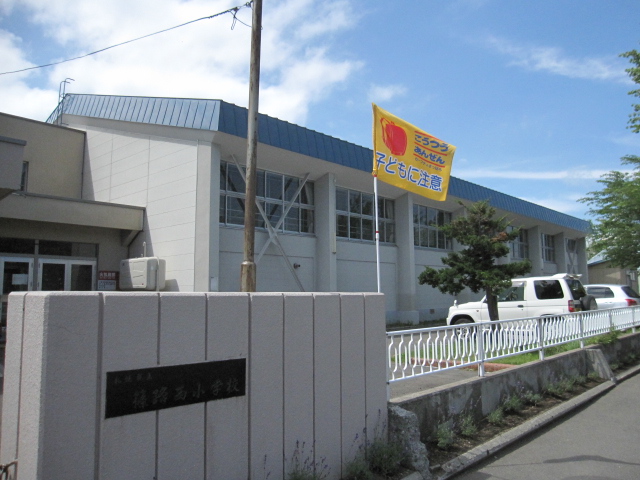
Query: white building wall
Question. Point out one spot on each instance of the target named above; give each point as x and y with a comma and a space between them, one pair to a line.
159, 174
357, 269
272, 272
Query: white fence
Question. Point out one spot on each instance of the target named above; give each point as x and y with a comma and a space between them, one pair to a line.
412, 353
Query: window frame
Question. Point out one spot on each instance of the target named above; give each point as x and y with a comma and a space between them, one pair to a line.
548, 248
273, 203
355, 216
429, 219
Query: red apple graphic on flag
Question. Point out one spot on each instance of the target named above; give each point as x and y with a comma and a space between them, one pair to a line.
394, 137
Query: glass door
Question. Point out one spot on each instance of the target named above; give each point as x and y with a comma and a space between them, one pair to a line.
68, 275
16, 275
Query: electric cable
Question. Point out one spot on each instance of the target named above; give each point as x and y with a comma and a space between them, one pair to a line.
233, 10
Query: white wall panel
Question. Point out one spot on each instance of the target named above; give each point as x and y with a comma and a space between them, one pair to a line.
130, 341
298, 384
353, 396
326, 379
266, 387
228, 420
181, 437
173, 202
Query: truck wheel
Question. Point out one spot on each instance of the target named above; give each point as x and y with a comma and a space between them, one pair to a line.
463, 330
589, 303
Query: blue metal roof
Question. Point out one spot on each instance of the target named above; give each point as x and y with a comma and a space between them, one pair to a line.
217, 115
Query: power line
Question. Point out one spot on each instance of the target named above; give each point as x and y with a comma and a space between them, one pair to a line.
233, 10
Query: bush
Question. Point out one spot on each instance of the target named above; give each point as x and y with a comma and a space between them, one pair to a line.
468, 427
496, 417
445, 436
385, 458
512, 404
531, 398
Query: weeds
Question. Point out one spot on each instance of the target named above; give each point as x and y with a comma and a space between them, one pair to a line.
385, 458
496, 417
512, 404
468, 427
556, 389
445, 435
531, 398
304, 467
593, 376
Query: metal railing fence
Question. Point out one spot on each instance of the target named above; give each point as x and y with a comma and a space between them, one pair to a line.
424, 351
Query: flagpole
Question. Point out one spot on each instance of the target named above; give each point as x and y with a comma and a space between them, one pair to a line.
375, 194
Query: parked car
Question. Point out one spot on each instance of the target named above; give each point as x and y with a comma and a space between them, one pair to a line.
613, 296
529, 297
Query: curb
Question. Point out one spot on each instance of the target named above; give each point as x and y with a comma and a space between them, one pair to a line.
479, 453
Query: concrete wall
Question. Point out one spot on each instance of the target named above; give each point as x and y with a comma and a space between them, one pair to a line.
11, 155
480, 396
54, 154
159, 174
315, 382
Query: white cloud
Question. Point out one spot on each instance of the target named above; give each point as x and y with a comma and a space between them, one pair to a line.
554, 60
568, 205
384, 93
206, 59
571, 175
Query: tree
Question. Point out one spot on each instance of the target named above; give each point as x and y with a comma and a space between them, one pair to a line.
634, 73
616, 209
474, 267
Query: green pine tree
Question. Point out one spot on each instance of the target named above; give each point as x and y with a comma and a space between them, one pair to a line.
486, 239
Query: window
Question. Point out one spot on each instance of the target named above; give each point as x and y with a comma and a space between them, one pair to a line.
515, 293
426, 233
600, 292
520, 245
48, 247
548, 248
24, 177
548, 289
274, 192
355, 216
572, 255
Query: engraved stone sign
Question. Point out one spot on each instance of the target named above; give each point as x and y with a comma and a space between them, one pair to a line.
156, 388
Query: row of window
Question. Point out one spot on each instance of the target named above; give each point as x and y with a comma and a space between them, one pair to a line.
281, 195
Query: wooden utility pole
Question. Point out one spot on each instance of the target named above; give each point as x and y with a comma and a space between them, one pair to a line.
248, 268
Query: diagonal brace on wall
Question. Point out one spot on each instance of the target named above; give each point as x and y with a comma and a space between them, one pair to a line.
273, 231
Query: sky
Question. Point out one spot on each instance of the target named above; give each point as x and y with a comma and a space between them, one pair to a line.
533, 94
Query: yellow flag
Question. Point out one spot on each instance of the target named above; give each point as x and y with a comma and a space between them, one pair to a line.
410, 158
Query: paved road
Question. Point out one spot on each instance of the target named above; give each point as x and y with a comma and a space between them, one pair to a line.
598, 442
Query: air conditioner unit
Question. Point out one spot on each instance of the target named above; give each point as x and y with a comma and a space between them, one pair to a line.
144, 273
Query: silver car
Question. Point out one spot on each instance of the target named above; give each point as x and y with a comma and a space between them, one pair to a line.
613, 296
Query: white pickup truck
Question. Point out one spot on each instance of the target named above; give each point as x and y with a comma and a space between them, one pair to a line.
529, 297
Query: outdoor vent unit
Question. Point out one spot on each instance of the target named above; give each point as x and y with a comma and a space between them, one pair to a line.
144, 273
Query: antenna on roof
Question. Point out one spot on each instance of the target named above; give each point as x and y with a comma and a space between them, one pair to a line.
61, 93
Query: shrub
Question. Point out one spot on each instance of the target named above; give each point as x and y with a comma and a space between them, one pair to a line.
445, 436
556, 389
468, 427
305, 468
531, 398
496, 417
385, 458
358, 469
512, 404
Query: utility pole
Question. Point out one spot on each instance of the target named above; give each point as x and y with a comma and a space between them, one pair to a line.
248, 268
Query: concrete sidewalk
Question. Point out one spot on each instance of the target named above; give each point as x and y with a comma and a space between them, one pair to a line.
605, 434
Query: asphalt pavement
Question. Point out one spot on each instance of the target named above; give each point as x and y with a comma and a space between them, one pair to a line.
596, 441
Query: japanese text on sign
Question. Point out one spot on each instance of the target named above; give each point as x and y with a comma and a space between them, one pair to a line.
148, 389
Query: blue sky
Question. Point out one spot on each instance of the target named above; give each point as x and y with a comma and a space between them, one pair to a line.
532, 93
